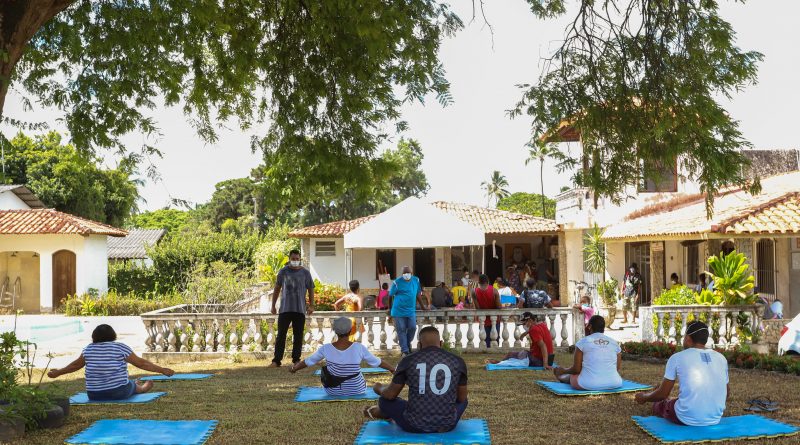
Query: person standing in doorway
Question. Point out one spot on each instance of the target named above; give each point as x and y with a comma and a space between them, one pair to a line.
486, 297
631, 289
404, 294
293, 283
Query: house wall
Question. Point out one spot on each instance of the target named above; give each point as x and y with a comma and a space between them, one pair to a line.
573, 239
24, 266
91, 261
674, 260
783, 260
615, 264
793, 307
10, 201
328, 269
364, 268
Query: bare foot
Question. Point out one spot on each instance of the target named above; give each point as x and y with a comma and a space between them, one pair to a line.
143, 387
491, 361
274, 365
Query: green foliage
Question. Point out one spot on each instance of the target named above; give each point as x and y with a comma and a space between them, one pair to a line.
217, 283
655, 349
528, 204
172, 220
495, 188
732, 280
609, 292
130, 277
680, 296
70, 180
326, 294
541, 151
635, 93
708, 298
114, 304
594, 251
177, 257
232, 199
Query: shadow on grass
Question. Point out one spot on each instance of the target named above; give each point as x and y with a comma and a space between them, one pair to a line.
254, 405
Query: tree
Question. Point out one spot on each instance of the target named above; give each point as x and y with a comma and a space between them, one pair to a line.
528, 204
541, 151
495, 188
639, 83
172, 220
72, 181
326, 78
232, 199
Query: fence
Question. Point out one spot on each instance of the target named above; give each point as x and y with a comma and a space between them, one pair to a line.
205, 329
729, 325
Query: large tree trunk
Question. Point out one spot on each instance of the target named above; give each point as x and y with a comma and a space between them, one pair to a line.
19, 21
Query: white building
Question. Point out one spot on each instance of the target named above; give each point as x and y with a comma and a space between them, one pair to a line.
46, 255
438, 240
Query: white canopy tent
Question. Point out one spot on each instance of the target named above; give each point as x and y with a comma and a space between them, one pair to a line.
413, 224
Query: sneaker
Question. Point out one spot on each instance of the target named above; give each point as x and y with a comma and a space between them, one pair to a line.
274, 365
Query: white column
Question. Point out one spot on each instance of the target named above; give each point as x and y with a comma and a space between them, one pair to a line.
348, 261
46, 281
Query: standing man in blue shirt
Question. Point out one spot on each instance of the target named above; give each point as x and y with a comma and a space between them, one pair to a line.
404, 295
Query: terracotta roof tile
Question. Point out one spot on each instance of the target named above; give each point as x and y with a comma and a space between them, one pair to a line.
498, 222
730, 210
491, 221
49, 221
330, 230
779, 216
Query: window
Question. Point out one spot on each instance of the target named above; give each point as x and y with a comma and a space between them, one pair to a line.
659, 178
325, 248
692, 266
385, 262
765, 268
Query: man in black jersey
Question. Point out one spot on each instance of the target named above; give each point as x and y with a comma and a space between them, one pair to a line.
437, 389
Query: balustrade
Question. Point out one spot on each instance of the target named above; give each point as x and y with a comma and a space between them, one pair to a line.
191, 329
729, 325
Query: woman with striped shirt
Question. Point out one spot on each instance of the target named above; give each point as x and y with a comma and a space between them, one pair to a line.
106, 363
343, 358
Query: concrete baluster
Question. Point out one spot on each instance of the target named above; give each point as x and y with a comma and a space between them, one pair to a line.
494, 333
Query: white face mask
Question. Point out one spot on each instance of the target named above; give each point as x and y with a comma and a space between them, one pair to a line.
294, 263
632, 270
406, 276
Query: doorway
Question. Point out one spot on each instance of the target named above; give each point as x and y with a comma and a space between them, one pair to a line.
494, 263
425, 266
63, 276
639, 253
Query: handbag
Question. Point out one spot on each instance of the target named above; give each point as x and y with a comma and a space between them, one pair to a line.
332, 381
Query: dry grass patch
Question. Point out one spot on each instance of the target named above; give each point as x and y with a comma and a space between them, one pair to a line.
254, 405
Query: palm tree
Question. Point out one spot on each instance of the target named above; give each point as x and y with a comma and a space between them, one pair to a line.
495, 188
541, 151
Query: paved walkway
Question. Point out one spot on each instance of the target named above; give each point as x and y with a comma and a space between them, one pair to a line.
65, 337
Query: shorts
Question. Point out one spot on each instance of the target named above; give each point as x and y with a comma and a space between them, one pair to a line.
395, 410
629, 302
119, 393
666, 409
537, 362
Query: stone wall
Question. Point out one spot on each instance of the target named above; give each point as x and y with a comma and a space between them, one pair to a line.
772, 162
745, 246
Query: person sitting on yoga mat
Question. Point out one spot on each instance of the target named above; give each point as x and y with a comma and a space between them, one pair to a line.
703, 377
597, 360
541, 345
437, 389
341, 375
106, 363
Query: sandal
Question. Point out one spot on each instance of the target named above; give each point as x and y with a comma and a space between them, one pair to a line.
759, 406
765, 401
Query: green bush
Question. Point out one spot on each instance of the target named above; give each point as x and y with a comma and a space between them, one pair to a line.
113, 303
681, 295
129, 277
326, 294
217, 283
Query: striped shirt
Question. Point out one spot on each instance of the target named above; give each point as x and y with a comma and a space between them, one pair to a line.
106, 367
345, 363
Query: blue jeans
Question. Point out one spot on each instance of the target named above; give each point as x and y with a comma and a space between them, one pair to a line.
406, 328
119, 393
395, 410
489, 335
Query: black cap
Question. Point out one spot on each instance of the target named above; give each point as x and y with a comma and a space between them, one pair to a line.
526, 316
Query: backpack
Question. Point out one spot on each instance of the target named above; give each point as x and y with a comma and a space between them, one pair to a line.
534, 298
332, 381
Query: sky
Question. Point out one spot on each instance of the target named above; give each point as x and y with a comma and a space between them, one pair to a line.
464, 142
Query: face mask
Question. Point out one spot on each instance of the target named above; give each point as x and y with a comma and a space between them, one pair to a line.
406, 276
294, 263
632, 270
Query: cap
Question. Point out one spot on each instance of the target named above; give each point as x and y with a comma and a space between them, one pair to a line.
526, 316
342, 326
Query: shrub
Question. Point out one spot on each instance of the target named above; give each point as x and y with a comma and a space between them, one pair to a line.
608, 291
681, 295
217, 283
113, 303
270, 257
129, 277
326, 294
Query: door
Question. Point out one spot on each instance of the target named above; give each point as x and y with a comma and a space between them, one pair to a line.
425, 266
639, 253
63, 276
494, 264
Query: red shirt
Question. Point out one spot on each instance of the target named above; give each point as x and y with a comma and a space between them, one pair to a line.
538, 332
485, 300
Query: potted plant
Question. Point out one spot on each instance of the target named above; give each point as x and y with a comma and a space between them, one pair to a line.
609, 297
595, 254
12, 426
733, 285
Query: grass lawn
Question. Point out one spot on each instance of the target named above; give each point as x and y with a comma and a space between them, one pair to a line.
255, 405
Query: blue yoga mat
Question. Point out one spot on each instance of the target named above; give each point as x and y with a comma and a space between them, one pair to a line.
82, 399
468, 431
499, 367
363, 371
163, 378
145, 432
564, 389
318, 394
751, 426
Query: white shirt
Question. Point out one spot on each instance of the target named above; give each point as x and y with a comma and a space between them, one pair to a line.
703, 378
344, 363
599, 368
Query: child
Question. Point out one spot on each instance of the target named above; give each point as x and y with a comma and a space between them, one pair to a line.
383, 295
106, 364
588, 311
352, 303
